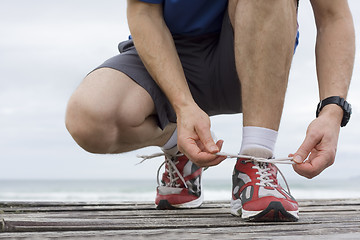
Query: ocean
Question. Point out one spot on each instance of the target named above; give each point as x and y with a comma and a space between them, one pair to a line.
144, 190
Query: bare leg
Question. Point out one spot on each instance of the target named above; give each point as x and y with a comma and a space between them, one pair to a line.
110, 113
264, 43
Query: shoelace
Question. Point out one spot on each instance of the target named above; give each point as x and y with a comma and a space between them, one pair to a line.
288, 160
172, 169
264, 175
260, 164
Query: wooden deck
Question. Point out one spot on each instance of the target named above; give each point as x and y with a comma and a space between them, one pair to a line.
319, 219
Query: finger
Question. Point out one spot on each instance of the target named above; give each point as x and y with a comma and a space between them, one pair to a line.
191, 149
309, 143
207, 159
314, 166
220, 144
206, 139
217, 159
215, 162
201, 158
307, 169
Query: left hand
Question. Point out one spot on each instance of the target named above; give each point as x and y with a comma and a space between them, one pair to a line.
320, 142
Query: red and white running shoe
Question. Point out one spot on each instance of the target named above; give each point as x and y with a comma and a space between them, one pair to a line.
180, 185
257, 196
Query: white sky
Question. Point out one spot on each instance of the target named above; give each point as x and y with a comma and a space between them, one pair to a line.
46, 48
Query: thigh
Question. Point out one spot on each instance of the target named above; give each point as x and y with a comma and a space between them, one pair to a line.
227, 87
129, 64
209, 66
108, 95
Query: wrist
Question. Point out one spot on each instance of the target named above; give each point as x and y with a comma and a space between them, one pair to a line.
332, 112
182, 102
335, 106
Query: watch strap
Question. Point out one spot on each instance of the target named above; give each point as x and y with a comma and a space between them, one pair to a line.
338, 101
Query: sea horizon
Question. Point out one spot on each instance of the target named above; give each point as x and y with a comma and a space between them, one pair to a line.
144, 190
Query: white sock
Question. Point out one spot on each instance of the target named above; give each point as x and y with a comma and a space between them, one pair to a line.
258, 142
172, 142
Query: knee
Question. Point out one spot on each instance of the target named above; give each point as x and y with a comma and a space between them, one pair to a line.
102, 129
274, 8
259, 9
265, 5
104, 109
90, 129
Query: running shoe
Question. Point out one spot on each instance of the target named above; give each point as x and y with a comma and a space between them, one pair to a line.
257, 195
180, 185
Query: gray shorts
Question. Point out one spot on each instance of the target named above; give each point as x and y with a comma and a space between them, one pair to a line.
209, 65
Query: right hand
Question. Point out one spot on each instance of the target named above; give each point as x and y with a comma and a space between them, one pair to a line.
194, 137
320, 143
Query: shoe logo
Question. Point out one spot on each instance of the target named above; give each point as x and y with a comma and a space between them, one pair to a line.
247, 194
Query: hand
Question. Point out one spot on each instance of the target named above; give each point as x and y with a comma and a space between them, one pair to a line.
320, 142
194, 137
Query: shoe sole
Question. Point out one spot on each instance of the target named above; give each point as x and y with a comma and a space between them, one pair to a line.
165, 205
275, 212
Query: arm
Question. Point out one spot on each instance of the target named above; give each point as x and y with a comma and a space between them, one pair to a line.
335, 50
156, 49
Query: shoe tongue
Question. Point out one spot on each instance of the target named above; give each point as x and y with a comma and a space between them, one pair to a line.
261, 164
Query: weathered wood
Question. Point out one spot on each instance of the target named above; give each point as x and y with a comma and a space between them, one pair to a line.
43, 220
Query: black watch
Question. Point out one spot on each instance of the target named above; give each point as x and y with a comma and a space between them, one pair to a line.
346, 107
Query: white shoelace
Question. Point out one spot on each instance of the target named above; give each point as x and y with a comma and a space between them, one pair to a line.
260, 165
263, 170
172, 169
288, 160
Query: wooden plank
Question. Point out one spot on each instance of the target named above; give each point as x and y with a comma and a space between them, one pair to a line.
75, 223
59, 207
199, 213
149, 205
67, 220
141, 212
258, 232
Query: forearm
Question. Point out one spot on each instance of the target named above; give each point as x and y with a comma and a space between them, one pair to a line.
335, 51
156, 48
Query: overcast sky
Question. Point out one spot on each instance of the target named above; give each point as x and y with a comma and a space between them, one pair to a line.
46, 48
